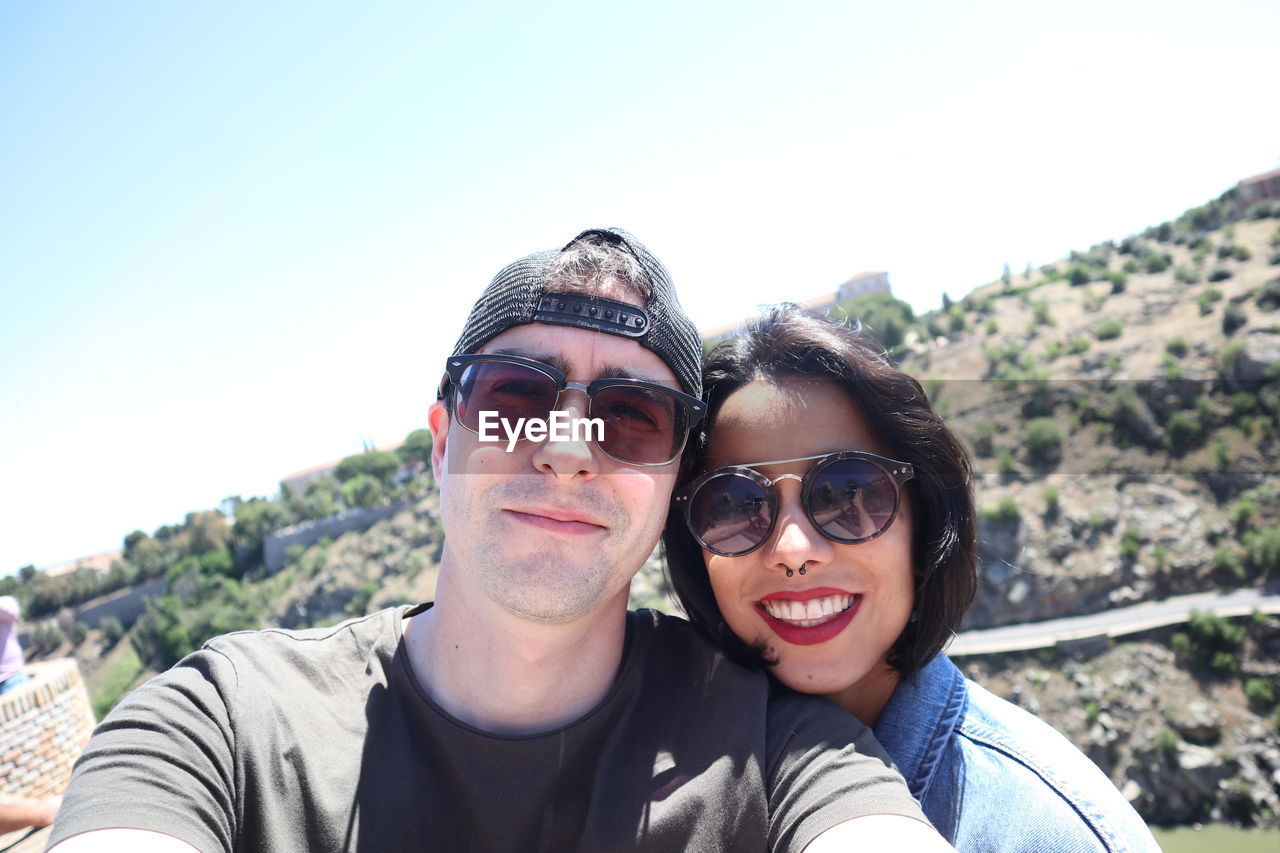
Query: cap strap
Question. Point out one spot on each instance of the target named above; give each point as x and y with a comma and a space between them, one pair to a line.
597, 313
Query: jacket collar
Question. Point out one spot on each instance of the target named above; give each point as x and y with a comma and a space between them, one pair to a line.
919, 720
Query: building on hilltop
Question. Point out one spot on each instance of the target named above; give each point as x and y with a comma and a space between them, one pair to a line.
298, 480
859, 285
1264, 187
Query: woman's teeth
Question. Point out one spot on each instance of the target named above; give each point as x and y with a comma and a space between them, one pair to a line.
806, 614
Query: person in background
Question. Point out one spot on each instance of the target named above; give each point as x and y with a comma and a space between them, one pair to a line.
825, 530
12, 674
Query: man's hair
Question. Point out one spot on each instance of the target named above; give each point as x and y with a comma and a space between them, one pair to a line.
596, 267
789, 343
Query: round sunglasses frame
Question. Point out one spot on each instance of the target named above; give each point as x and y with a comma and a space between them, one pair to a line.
897, 472
451, 386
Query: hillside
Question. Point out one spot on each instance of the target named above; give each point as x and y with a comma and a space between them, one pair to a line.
1121, 406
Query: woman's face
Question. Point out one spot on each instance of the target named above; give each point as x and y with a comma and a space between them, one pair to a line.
843, 656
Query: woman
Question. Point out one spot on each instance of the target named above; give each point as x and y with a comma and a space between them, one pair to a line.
826, 530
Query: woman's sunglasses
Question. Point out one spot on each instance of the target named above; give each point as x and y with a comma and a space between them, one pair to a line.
849, 497
644, 423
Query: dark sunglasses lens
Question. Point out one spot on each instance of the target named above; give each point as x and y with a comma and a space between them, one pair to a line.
642, 425
509, 389
852, 499
730, 514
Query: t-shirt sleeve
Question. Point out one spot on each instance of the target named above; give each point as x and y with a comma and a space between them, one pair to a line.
9, 609
162, 760
825, 768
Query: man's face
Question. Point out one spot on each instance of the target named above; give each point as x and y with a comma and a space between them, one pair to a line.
552, 530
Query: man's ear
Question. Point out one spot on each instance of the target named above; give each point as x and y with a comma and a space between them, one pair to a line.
438, 422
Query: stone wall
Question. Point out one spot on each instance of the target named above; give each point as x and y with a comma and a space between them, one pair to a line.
125, 604
275, 544
43, 727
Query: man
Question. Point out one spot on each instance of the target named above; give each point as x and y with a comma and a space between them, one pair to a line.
525, 708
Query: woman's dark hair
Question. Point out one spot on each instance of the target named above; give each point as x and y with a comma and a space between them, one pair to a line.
788, 342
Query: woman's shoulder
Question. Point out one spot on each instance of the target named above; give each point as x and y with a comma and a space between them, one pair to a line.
1039, 778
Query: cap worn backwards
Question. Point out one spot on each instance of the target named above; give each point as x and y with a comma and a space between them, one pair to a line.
519, 294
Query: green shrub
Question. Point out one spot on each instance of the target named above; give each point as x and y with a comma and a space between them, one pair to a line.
1182, 431
1187, 275
1052, 497
1004, 512
1264, 551
1225, 560
1040, 310
1230, 353
1242, 403
1176, 347
1004, 461
1207, 297
1130, 544
1242, 513
1052, 350
1118, 281
76, 632
1181, 645
112, 630
992, 327
1233, 318
984, 436
1221, 453
1167, 740
1220, 274
1079, 345
1268, 295
1226, 250
1242, 253
1260, 693
1154, 263
1108, 328
1078, 275
1043, 439
363, 490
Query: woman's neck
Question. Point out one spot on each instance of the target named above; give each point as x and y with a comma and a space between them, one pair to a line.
866, 699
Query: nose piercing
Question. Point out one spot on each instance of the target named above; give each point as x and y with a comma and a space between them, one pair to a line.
801, 569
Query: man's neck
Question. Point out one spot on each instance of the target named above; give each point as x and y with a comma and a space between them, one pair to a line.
501, 674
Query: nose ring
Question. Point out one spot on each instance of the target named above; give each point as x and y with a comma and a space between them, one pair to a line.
801, 569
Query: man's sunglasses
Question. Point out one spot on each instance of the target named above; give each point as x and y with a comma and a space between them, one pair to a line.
645, 423
850, 497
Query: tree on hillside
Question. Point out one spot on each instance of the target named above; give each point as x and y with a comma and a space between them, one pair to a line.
417, 445
255, 518
379, 464
883, 317
363, 490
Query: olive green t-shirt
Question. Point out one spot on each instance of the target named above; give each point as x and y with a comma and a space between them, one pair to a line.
324, 740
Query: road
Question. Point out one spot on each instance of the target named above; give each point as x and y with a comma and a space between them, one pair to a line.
1112, 623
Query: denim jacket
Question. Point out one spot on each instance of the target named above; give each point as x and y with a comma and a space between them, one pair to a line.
991, 776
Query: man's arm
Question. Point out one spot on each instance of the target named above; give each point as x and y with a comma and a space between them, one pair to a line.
159, 768
879, 832
122, 841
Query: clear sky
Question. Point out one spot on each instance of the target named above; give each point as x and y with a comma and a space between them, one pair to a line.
237, 239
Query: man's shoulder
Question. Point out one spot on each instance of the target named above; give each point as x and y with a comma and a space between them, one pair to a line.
272, 652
